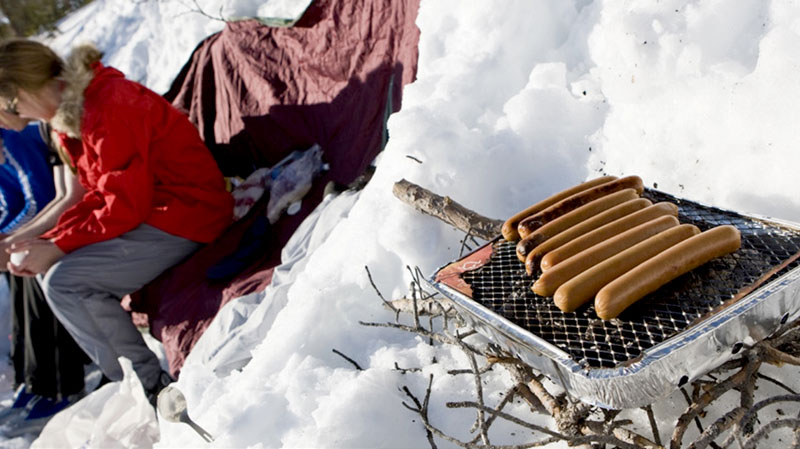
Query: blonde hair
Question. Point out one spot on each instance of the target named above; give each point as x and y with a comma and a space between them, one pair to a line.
27, 64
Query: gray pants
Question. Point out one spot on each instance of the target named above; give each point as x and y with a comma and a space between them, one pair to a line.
84, 289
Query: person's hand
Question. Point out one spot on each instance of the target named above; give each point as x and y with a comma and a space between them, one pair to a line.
42, 254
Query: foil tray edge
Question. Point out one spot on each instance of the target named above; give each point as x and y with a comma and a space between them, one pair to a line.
659, 370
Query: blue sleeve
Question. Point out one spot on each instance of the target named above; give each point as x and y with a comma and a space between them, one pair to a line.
12, 201
29, 173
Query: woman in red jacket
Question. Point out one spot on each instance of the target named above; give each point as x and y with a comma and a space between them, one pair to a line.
153, 194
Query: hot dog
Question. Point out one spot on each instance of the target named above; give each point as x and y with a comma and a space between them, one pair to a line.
572, 218
582, 288
534, 256
651, 274
509, 228
534, 222
551, 279
605, 232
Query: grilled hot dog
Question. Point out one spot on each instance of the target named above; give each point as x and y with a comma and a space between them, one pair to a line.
551, 279
535, 255
605, 232
582, 288
651, 274
534, 222
509, 228
571, 219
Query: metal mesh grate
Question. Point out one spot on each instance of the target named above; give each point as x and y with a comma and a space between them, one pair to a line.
503, 287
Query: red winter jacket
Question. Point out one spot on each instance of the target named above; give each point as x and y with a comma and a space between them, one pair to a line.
141, 161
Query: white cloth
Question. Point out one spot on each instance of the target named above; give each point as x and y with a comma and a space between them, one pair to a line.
115, 415
227, 343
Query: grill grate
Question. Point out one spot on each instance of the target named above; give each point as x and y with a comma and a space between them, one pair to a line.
502, 286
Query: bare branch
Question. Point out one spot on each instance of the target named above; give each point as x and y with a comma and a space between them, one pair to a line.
545, 398
789, 336
387, 303
722, 424
777, 357
750, 415
466, 334
406, 370
506, 360
776, 382
624, 435
348, 359
464, 243
197, 9
522, 375
507, 417
432, 307
422, 408
768, 428
415, 306
796, 442
439, 337
506, 399
447, 210
705, 399
653, 425
483, 370
482, 428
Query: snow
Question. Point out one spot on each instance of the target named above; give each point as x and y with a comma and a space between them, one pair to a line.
515, 100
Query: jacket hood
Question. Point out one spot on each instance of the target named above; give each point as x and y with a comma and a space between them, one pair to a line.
77, 74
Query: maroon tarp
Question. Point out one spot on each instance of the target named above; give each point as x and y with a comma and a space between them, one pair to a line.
257, 93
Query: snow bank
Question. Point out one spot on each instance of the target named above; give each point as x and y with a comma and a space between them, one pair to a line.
515, 99
703, 98
147, 40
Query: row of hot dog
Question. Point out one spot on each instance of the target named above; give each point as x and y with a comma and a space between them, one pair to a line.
600, 240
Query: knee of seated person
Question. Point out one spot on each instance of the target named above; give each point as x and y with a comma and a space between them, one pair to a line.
58, 281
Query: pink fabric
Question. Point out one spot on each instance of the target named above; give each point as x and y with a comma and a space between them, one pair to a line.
256, 94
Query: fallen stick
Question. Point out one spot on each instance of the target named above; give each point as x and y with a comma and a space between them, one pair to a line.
447, 210
426, 306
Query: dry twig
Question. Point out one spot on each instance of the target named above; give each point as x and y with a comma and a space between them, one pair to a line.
422, 409
358, 367
447, 210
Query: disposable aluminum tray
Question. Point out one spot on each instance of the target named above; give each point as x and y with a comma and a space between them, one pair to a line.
672, 336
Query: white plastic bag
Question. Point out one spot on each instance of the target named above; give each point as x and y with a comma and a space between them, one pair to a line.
288, 181
292, 180
117, 415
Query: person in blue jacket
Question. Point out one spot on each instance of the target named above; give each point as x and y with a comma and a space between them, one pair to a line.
26, 179
48, 364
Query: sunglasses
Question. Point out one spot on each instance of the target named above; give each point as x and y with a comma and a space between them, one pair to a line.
11, 106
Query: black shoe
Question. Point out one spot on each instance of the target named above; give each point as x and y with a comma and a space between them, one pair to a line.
163, 380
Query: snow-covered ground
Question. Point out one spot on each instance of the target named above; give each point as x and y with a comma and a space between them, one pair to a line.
515, 99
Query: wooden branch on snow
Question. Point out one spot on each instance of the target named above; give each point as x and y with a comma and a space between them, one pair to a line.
447, 210
427, 306
422, 408
340, 354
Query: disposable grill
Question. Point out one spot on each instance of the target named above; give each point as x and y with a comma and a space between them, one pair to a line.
667, 338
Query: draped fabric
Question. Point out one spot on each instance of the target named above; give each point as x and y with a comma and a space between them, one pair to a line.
257, 93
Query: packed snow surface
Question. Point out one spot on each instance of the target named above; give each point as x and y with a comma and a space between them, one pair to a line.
514, 100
